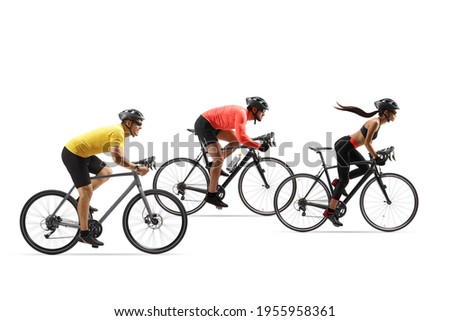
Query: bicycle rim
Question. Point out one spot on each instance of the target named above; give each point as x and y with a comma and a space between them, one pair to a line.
173, 177
254, 194
396, 215
45, 232
158, 231
297, 213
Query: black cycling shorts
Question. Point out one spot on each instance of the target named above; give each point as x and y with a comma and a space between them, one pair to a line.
80, 167
205, 132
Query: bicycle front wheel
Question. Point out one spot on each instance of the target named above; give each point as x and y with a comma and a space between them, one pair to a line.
186, 179
47, 230
258, 183
158, 231
304, 211
394, 212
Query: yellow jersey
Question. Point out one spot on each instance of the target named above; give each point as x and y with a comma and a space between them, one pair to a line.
97, 141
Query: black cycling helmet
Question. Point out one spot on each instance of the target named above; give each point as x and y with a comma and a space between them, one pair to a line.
257, 102
132, 114
386, 104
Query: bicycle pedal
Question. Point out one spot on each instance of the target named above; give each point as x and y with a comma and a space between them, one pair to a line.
219, 208
95, 246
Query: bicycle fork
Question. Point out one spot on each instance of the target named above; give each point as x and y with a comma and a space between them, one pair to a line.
261, 172
383, 188
151, 219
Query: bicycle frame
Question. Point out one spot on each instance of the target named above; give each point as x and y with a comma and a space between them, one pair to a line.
373, 170
251, 154
136, 183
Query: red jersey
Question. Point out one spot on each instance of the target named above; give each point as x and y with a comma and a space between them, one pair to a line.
231, 117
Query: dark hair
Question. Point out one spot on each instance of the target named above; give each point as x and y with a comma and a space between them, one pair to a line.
357, 110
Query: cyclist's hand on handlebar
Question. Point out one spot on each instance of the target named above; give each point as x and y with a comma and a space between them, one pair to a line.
145, 165
380, 160
142, 170
383, 155
264, 147
147, 162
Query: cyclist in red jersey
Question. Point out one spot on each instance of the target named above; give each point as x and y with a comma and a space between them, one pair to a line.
227, 123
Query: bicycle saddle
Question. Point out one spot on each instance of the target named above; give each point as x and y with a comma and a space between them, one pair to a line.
318, 149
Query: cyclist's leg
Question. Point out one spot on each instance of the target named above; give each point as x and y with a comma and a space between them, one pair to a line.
99, 168
343, 149
78, 168
208, 138
215, 151
356, 156
85, 193
230, 137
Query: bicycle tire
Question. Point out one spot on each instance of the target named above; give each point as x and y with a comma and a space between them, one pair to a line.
171, 174
389, 217
36, 222
298, 214
159, 236
254, 194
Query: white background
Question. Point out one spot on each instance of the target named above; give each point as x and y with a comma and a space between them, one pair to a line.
69, 67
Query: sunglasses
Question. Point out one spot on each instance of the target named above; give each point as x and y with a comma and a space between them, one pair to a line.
137, 122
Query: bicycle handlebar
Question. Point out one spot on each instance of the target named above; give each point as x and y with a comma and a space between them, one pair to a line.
267, 138
147, 162
386, 153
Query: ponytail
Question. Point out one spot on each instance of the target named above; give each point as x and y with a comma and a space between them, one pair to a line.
356, 110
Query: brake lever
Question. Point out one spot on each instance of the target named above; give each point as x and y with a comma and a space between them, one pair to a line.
151, 162
272, 139
148, 162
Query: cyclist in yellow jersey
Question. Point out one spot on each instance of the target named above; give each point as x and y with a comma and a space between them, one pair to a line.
79, 157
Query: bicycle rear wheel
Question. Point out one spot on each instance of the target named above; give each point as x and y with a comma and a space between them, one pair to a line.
158, 231
304, 211
402, 206
253, 191
46, 230
180, 176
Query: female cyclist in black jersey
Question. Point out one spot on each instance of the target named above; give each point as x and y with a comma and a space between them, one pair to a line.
346, 147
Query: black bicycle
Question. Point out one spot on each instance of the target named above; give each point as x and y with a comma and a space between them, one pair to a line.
388, 201
189, 179
49, 219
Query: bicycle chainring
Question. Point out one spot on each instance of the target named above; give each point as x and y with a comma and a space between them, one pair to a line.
95, 228
340, 210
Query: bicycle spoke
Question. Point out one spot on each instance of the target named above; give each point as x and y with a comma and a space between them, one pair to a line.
297, 213
178, 176
43, 231
159, 230
253, 191
389, 216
